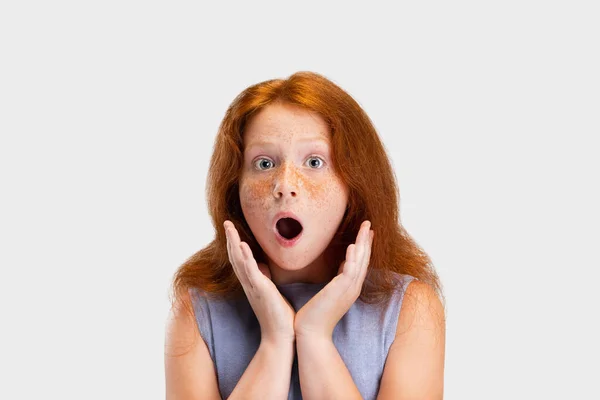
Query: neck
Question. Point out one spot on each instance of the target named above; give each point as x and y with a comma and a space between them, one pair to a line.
317, 271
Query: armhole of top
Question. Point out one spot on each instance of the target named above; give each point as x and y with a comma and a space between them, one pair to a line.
397, 309
202, 318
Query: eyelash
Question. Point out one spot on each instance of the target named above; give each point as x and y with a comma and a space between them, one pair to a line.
309, 157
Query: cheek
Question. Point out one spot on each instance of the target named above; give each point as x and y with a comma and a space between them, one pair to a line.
330, 194
254, 194
326, 194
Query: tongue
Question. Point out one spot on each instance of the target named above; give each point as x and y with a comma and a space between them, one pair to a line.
289, 228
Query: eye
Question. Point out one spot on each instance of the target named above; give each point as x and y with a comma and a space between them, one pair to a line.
316, 158
262, 162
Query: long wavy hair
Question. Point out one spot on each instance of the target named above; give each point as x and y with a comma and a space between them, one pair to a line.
358, 157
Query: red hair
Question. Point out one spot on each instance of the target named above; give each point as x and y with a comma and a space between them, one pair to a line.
358, 157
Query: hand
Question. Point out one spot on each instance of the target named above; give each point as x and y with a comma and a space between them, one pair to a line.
322, 313
274, 313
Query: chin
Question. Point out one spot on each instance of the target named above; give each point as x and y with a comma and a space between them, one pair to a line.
289, 265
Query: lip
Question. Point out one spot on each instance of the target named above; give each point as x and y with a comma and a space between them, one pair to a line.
283, 241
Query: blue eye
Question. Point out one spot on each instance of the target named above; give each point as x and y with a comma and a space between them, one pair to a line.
317, 158
263, 164
260, 160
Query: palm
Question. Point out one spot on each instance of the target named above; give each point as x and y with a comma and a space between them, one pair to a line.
320, 315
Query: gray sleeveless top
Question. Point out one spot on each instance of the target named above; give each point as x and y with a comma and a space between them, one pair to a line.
362, 337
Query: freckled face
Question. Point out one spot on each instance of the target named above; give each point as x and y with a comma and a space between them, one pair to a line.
288, 167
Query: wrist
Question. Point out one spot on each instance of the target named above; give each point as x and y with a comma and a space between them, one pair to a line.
313, 338
278, 342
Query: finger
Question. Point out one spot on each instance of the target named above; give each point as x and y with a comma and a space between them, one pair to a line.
346, 268
256, 273
236, 242
247, 264
367, 258
361, 240
230, 244
342, 265
227, 225
356, 263
365, 243
264, 268
235, 254
227, 237
350, 269
232, 260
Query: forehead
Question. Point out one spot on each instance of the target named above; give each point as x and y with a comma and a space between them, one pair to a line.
288, 123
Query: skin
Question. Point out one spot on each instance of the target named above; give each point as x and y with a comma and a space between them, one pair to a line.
414, 367
318, 317
293, 173
322, 370
286, 176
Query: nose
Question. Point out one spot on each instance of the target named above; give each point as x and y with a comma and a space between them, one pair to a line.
286, 184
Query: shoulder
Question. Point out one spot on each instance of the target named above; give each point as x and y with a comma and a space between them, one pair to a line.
414, 367
421, 309
189, 369
181, 328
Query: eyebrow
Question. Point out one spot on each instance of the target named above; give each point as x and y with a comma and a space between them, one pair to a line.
270, 143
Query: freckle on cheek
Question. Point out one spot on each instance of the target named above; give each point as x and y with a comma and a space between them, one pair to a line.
259, 193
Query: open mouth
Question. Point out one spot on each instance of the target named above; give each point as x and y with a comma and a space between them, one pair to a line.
289, 228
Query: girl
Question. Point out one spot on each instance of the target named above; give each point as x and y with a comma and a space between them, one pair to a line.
311, 288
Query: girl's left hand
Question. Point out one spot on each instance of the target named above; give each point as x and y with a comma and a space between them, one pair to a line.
321, 314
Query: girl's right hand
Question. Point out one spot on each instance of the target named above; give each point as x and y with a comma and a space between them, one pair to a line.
274, 313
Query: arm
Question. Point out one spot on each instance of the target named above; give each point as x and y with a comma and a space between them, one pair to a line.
323, 374
190, 372
322, 371
268, 374
414, 368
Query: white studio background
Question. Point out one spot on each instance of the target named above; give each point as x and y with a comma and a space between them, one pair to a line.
108, 112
